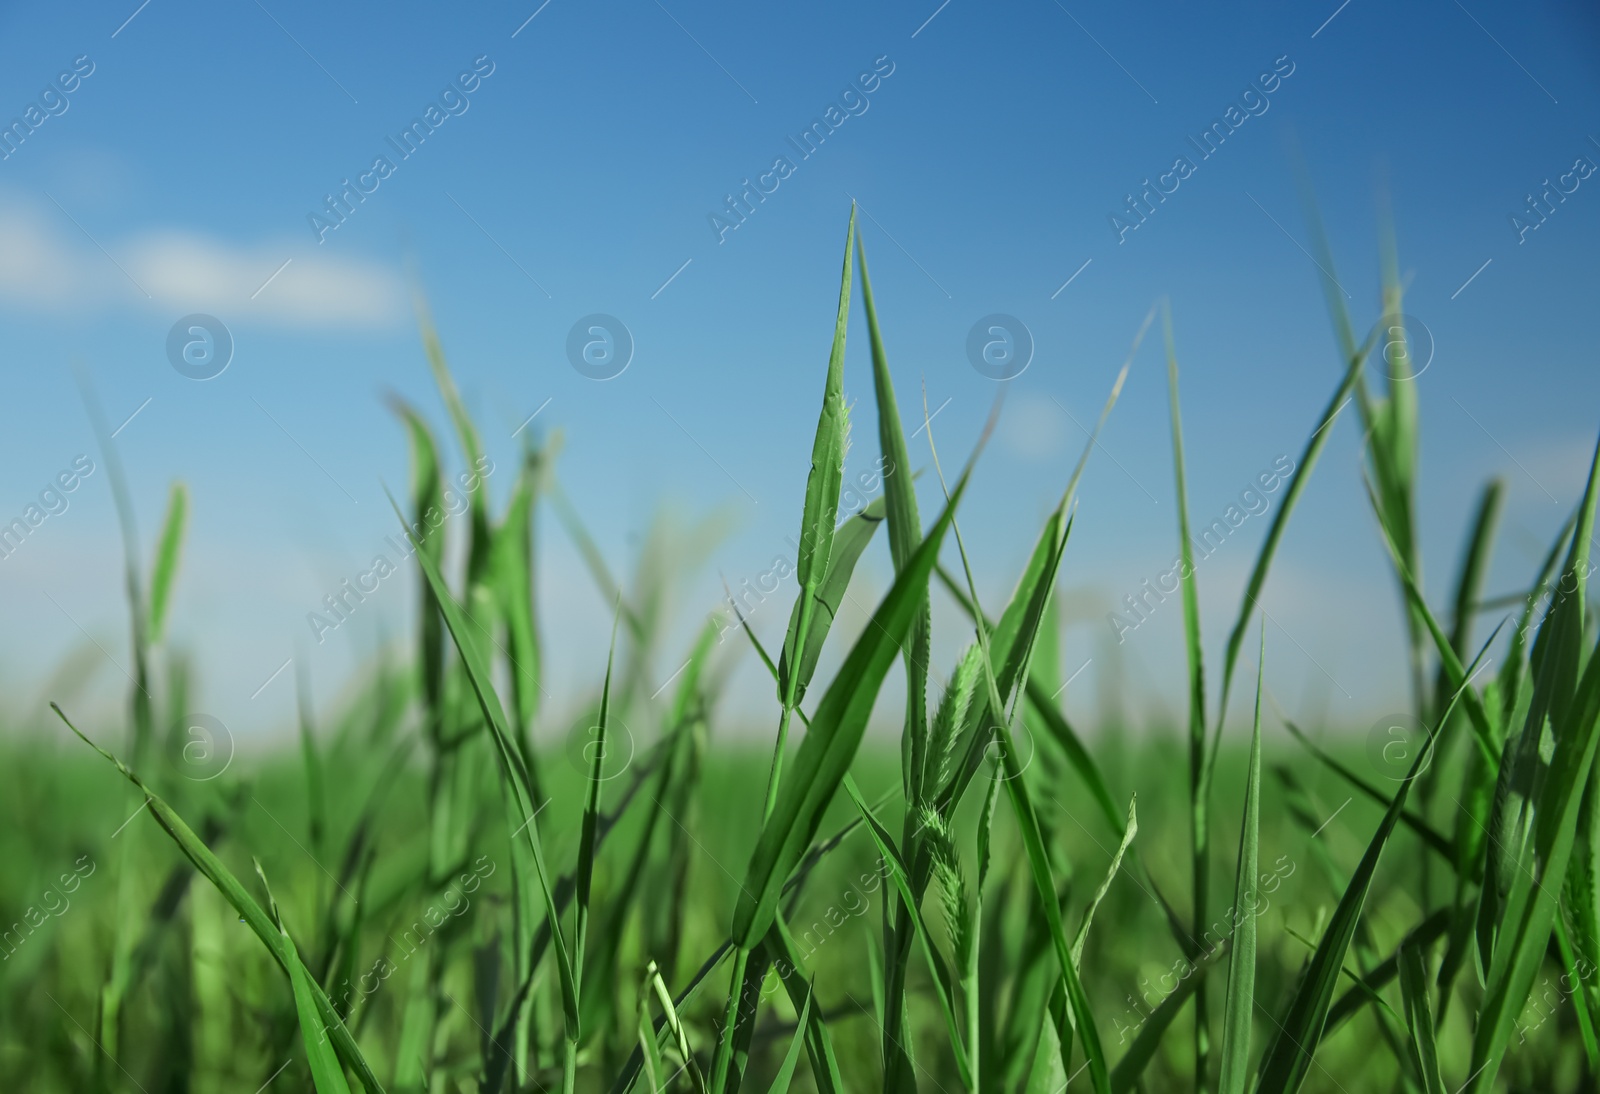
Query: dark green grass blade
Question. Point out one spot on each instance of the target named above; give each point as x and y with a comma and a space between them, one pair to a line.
1469, 583
1238, 1008
1419, 1019
1147, 1042
587, 843
780, 1082
848, 544
835, 734
236, 894
1429, 835
515, 775
168, 551
1423, 935
426, 494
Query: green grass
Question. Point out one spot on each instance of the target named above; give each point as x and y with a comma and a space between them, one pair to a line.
457, 904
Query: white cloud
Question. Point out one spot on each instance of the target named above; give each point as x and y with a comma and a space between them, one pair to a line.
45, 267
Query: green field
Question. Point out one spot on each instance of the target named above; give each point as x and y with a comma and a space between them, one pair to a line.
449, 887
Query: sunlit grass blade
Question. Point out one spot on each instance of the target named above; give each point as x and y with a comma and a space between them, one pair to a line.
680, 1036
905, 531
1238, 1008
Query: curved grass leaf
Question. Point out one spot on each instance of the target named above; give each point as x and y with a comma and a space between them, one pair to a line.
235, 893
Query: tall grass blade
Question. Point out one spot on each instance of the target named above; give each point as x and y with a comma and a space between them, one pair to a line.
1238, 1008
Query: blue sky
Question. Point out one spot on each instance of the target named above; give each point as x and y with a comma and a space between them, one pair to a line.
581, 178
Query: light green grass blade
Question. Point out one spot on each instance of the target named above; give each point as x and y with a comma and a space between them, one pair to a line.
1419, 1019
326, 1073
821, 509
848, 544
228, 885
680, 1036
169, 549
835, 734
515, 775
1238, 1008
780, 1081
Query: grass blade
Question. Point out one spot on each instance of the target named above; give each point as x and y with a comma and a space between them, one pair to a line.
1419, 1019
780, 1082
168, 550
235, 893
1238, 1008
